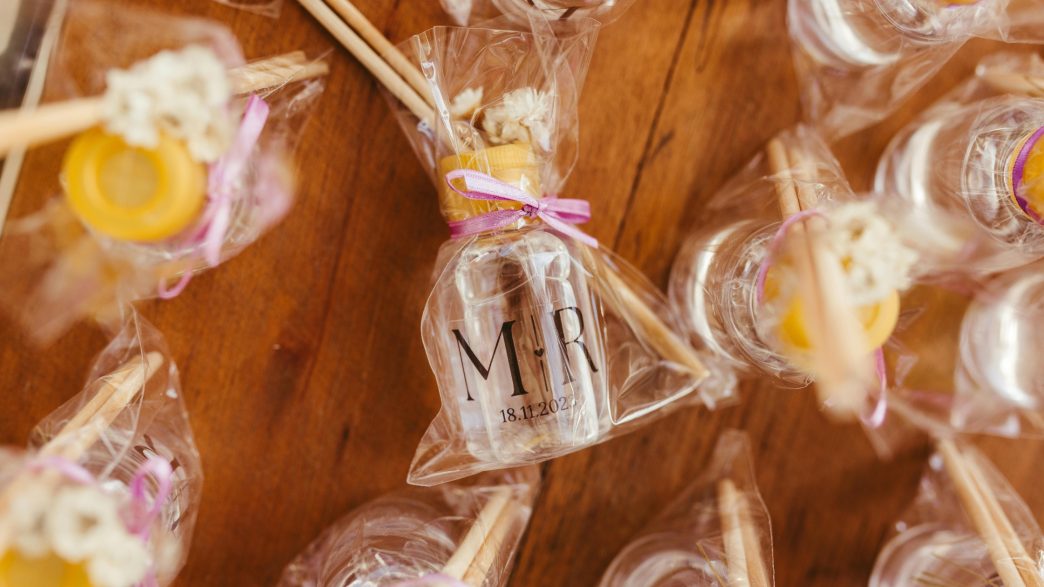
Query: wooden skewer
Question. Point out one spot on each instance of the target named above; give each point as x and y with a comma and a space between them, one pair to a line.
391, 54
640, 317
51, 122
986, 515
732, 534
487, 554
458, 564
756, 569
370, 60
843, 371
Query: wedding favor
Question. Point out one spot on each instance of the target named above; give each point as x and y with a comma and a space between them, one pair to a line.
541, 341
717, 533
456, 535
107, 493
811, 297
971, 169
966, 528
182, 156
859, 59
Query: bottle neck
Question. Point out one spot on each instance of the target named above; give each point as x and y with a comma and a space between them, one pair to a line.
514, 164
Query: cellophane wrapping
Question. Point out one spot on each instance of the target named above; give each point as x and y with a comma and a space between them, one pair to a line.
541, 344
464, 12
857, 60
154, 424
269, 8
58, 270
935, 541
951, 169
410, 537
693, 541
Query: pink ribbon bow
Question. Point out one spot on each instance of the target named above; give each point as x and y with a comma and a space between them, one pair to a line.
559, 214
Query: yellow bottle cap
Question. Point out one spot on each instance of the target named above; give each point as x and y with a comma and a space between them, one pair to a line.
130, 193
1026, 175
515, 164
47, 571
878, 320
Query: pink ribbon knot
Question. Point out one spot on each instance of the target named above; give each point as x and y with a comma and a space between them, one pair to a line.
561, 214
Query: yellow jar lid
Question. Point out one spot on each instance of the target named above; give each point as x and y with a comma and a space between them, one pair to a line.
1026, 175
878, 320
131, 193
47, 571
515, 164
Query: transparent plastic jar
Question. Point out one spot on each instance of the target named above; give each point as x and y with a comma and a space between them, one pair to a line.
1000, 346
513, 336
856, 34
955, 172
665, 559
713, 284
932, 554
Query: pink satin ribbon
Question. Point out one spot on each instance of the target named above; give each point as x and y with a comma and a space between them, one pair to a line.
144, 513
559, 214
223, 179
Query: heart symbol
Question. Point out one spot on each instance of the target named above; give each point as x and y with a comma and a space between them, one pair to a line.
539, 352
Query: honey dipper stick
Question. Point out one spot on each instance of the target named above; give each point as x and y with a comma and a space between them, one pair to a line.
55, 121
487, 554
756, 569
458, 564
732, 533
1014, 83
982, 518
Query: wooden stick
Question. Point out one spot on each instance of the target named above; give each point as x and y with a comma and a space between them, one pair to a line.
275, 71
487, 554
459, 563
756, 568
55, 121
981, 516
370, 59
391, 54
640, 317
842, 368
732, 534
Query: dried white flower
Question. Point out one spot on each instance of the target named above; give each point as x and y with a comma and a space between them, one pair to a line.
27, 515
121, 560
80, 518
523, 116
876, 260
184, 93
466, 103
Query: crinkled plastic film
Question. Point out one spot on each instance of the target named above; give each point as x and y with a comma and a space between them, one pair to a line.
859, 59
541, 344
464, 12
936, 541
153, 424
425, 536
61, 270
715, 534
269, 8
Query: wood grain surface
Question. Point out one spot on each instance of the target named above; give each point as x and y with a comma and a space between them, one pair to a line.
301, 359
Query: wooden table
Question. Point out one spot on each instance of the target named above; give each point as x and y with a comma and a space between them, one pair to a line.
301, 359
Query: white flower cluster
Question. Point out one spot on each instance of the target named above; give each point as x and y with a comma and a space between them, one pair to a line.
466, 103
875, 258
183, 93
522, 116
78, 524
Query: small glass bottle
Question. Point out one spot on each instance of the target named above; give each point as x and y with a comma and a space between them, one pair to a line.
958, 169
512, 329
856, 34
714, 284
933, 554
999, 372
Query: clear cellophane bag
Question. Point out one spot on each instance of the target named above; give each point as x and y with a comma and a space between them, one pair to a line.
476, 11
130, 412
463, 533
59, 270
717, 533
938, 541
858, 60
269, 8
541, 343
